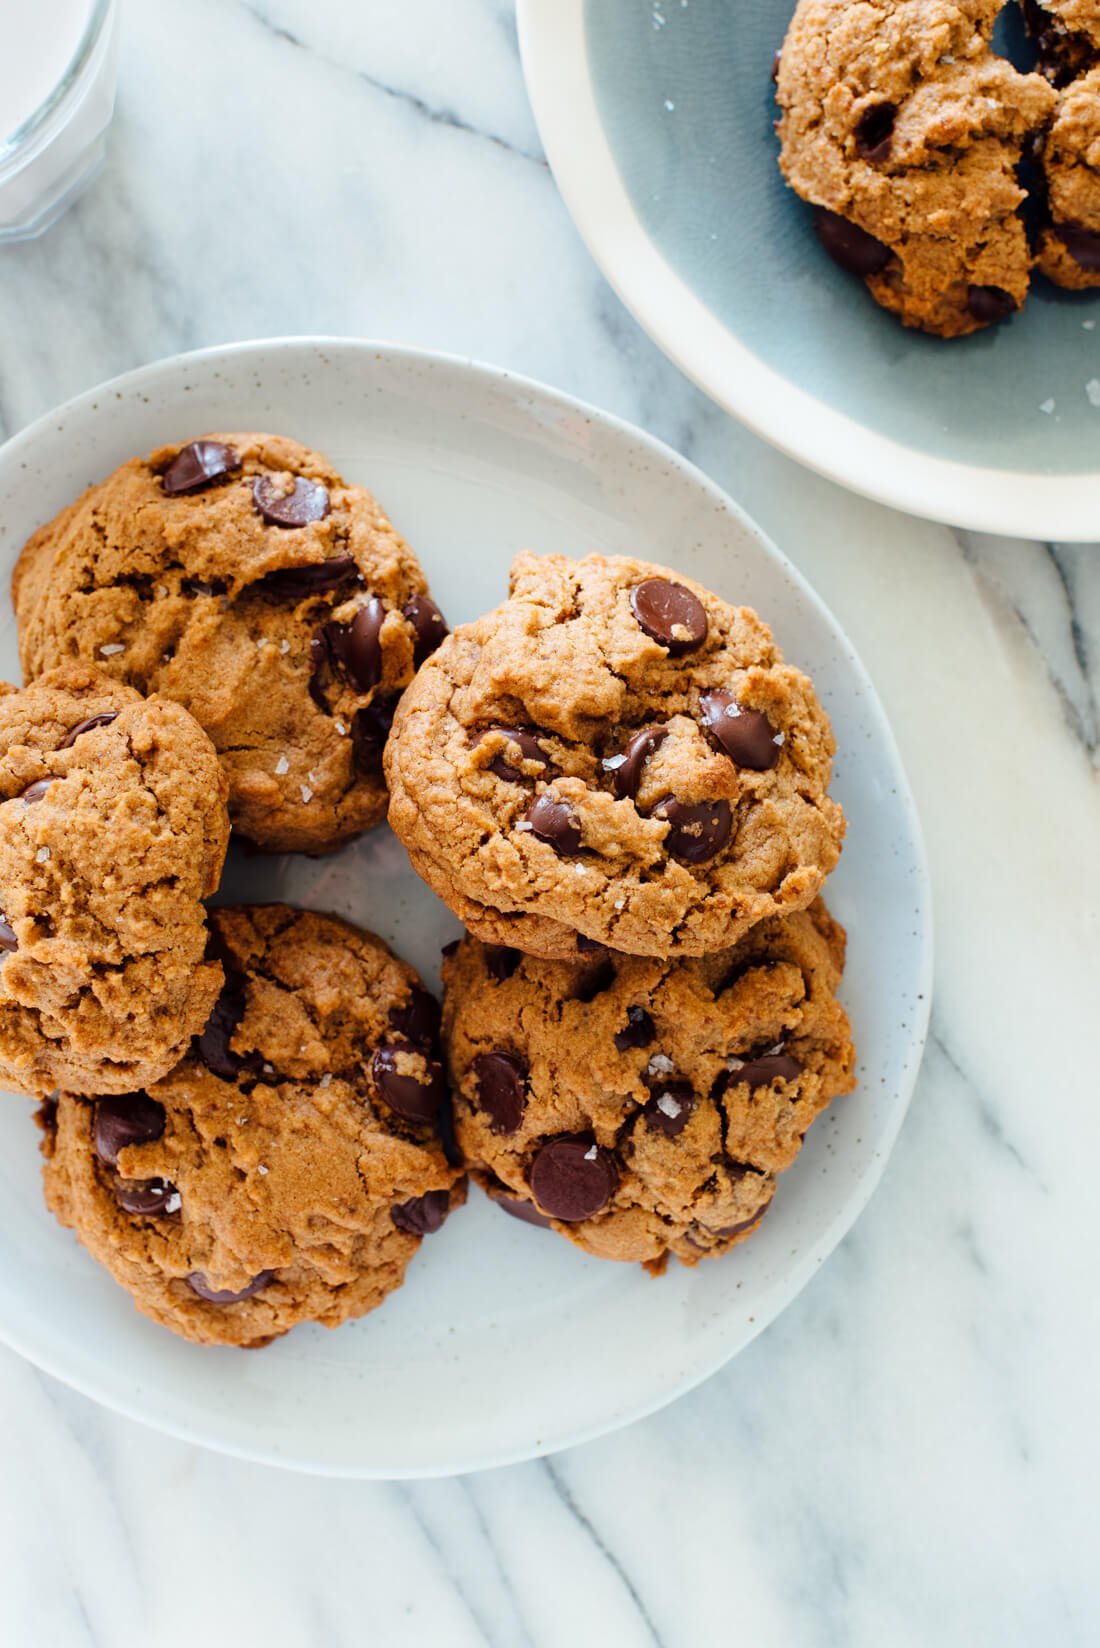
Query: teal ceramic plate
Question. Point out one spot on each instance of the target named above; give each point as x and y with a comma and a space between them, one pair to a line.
657, 118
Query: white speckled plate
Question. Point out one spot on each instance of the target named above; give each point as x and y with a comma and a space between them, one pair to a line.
657, 119
504, 1342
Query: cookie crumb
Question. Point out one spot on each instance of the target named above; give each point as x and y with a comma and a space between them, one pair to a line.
1047, 406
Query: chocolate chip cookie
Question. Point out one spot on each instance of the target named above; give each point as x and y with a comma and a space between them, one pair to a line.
288, 1168
644, 1107
905, 131
1066, 35
113, 828
614, 756
242, 577
1069, 247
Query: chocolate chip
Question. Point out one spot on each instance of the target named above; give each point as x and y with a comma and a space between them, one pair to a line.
849, 245
123, 1120
451, 947
370, 730
990, 303
670, 1108
423, 1215
103, 720
670, 614
418, 1019
501, 1090
588, 946
517, 1208
197, 466
875, 132
626, 769
529, 749
316, 578
639, 1032
697, 830
556, 823
745, 735
220, 1296
416, 1099
306, 502
357, 646
429, 625
596, 980
213, 1044
1083, 245
501, 963
34, 792
8, 940
573, 1179
761, 1072
146, 1196
745, 1224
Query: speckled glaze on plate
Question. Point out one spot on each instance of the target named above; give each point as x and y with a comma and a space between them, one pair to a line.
504, 1343
656, 116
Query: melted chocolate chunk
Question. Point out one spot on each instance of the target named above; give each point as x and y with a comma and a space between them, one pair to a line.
556, 823
639, 1031
34, 792
198, 466
849, 245
429, 627
669, 614
370, 730
122, 1120
529, 748
990, 303
745, 735
764, 1070
670, 1108
423, 1214
875, 132
418, 1019
573, 1178
501, 962
8, 941
627, 768
517, 1208
223, 1296
357, 647
306, 502
1083, 245
415, 1098
315, 578
697, 830
146, 1198
103, 720
501, 1090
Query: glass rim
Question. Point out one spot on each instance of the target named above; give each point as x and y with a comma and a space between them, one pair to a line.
39, 117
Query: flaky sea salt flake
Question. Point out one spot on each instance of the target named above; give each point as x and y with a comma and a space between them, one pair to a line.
307, 793
591, 1153
42, 854
112, 647
282, 765
1092, 390
1047, 406
668, 1106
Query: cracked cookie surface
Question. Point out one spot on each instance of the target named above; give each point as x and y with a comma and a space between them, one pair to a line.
645, 1107
288, 1168
614, 755
240, 576
906, 131
113, 828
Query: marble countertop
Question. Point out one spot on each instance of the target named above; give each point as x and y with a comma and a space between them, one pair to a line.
909, 1455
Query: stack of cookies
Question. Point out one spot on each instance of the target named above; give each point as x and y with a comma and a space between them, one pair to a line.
621, 788
252, 1115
